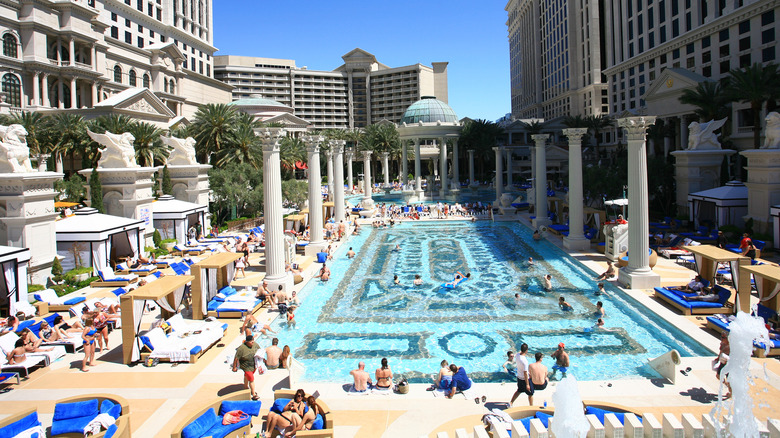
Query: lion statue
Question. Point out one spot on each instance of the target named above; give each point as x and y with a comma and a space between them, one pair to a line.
14, 153
772, 131
118, 151
182, 150
702, 136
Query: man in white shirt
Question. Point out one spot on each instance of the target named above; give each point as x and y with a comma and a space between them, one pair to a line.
524, 383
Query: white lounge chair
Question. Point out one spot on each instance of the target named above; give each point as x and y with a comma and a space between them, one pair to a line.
58, 304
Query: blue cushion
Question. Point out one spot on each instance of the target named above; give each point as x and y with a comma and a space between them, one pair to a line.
718, 323
544, 418
21, 425
200, 425
196, 349
247, 406
24, 324
71, 425
65, 411
218, 299
279, 405
723, 294
115, 411
599, 413
119, 291
318, 423
526, 422
213, 305
106, 406
322, 257
50, 319
147, 342
773, 343
228, 291
110, 431
219, 430
74, 301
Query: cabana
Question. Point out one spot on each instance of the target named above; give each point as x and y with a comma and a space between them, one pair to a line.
172, 217
13, 280
724, 205
767, 279
211, 275
92, 239
167, 292
295, 222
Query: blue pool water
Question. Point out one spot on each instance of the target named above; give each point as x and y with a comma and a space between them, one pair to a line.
360, 314
464, 195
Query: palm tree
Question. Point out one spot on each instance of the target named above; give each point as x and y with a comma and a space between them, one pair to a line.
481, 135
36, 126
212, 129
291, 151
597, 124
575, 121
114, 123
147, 144
68, 135
710, 100
241, 146
755, 85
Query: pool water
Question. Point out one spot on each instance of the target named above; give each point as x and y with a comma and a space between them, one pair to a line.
464, 195
360, 314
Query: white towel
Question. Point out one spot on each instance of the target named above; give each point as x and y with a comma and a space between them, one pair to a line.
103, 421
36, 431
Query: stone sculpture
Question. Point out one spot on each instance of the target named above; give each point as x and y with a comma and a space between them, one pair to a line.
182, 150
772, 132
702, 136
14, 153
118, 151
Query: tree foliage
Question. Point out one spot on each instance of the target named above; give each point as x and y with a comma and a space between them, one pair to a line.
96, 192
482, 136
755, 85
71, 189
239, 186
294, 192
167, 185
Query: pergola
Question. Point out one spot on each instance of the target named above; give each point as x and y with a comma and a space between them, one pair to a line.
767, 284
211, 275
167, 292
707, 258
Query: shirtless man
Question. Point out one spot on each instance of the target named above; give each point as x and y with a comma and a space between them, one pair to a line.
329, 231
561, 360
548, 282
342, 229
324, 274
350, 253
362, 378
263, 292
538, 373
272, 354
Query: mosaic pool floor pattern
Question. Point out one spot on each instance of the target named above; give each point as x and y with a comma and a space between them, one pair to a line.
361, 314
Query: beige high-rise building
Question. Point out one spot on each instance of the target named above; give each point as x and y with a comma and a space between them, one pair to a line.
358, 93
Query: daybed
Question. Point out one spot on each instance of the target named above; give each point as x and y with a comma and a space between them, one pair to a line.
720, 323
207, 422
109, 279
186, 342
283, 396
72, 414
23, 422
598, 410
229, 303
141, 271
676, 300
24, 367
8, 340
184, 250
71, 343
55, 303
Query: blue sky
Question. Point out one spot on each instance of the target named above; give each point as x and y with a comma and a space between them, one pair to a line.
470, 35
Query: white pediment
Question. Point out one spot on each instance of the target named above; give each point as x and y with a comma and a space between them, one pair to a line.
359, 55
672, 81
288, 120
138, 102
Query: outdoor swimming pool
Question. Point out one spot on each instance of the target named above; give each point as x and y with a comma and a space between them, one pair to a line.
360, 314
464, 195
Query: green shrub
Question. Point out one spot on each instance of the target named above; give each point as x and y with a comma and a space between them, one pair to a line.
159, 252
35, 287
56, 270
156, 238
86, 283
70, 276
167, 241
63, 289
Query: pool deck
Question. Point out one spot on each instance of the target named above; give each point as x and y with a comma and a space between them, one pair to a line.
162, 397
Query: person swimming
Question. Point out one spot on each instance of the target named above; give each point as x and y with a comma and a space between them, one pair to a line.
459, 278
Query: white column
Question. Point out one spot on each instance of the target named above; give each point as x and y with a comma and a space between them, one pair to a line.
471, 168
509, 175
93, 56
404, 164
94, 94
386, 167
683, 133
417, 169
329, 164
540, 205
36, 89
338, 181
316, 242
73, 103
72, 50
60, 93
350, 154
667, 146
638, 275
443, 163
45, 86
499, 182
272, 203
576, 239
455, 164
367, 201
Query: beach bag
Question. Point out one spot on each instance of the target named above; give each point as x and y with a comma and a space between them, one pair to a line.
233, 417
403, 385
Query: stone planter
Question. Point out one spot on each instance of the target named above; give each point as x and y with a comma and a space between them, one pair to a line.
82, 277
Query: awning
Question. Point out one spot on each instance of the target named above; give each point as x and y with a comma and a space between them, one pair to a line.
301, 165
62, 204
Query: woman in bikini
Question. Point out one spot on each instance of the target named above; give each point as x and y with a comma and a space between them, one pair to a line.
88, 337
308, 418
384, 376
290, 417
18, 354
101, 325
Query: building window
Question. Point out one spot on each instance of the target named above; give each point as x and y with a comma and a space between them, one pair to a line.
706, 57
689, 49
140, 5
744, 27
165, 85
118, 74
706, 71
767, 18
744, 61
768, 36
724, 51
723, 35
10, 46
690, 63
768, 54
172, 87
114, 32
140, 42
113, 16
744, 44
725, 67
128, 38
146, 81
12, 89
131, 78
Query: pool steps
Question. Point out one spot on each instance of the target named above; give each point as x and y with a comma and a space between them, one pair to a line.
687, 426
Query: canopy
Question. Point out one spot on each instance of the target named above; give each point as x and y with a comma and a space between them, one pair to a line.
168, 292
173, 217
725, 205
63, 204
618, 202
707, 258
211, 275
767, 284
13, 278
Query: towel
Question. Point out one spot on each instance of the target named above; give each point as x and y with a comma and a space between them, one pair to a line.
353, 391
33, 432
101, 421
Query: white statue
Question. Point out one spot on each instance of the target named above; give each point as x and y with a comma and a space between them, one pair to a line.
702, 136
14, 153
772, 131
182, 150
118, 152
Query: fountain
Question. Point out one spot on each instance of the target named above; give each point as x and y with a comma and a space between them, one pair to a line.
569, 419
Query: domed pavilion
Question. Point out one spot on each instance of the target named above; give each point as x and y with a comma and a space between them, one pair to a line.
268, 111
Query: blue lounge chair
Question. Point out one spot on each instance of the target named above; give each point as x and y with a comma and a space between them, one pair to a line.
676, 299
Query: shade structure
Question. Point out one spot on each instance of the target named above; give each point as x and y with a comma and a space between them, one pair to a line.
211, 274
707, 258
13, 278
725, 205
767, 279
172, 217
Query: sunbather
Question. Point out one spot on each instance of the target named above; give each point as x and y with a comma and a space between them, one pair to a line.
18, 354
609, 273
695, 285
308, 418
31, 342
443, 380
384, 376
460, 380
362, 380
704, 295
290, 417
10, 324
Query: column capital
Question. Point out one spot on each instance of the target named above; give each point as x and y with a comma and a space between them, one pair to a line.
636, 127
338, 146
540, 139
575, 133
385, 155
498, 148
349, 153
313, 143
271, 138
367, 155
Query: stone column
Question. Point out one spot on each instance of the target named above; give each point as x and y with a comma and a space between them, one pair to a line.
417, 170
455, 165
540, 200
404, 164
509, 173
45, 86
386, 167
576, 239
499, 183
60, 93
316, 241
350, 154
93, 56
683, 133
73, 101
338, 181
94, 93
72, 50
329, 164
367, 201
638, 275
272, 205
472, 182
443, 163
763, 183
695, 171
36, 89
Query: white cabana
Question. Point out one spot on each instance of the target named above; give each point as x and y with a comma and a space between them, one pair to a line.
172, 217
13, 279
725, 205
92, 239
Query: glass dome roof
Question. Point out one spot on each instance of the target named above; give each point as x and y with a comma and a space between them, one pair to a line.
429, 110
257, 100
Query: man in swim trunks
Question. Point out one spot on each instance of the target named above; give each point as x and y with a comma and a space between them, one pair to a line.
564, 305
524, 382
548, 282
350, 253
272, 354
361, 377
324, 274
538, 373
245, 359
561, 360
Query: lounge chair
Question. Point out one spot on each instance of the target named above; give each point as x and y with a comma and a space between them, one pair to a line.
676, 299
208, 420
25, 423
109, 279
141, 271
8, 340
55, 303
73, 414
23, 368
186, 342
720, 324
229, 303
